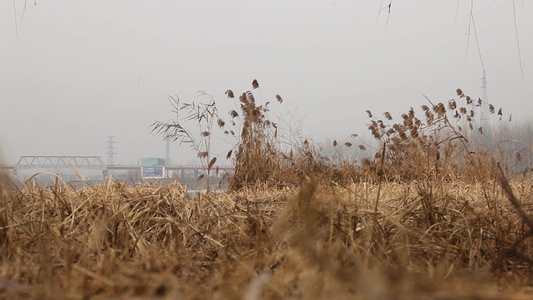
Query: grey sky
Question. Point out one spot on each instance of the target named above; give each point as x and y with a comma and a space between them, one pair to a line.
74, 72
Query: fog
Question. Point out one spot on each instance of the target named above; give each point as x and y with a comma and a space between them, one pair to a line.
74, 72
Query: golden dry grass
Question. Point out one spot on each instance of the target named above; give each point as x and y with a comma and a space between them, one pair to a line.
321, 241
427, 216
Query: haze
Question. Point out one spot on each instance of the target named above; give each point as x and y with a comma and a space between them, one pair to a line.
74, 72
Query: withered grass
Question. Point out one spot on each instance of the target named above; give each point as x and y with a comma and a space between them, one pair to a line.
427, 216
320, 241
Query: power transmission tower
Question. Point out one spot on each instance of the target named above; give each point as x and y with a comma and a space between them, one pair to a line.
167, 158
485, 114
485, 102
110, 151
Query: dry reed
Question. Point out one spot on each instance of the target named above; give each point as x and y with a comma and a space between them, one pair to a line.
322, 241
427, 217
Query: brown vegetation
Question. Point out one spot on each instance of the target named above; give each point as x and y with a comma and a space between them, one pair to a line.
361, 241
428, 216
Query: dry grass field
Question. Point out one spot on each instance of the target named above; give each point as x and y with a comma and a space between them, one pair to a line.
426, 216
321, 241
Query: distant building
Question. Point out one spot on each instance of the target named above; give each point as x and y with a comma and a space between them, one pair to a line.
152, 161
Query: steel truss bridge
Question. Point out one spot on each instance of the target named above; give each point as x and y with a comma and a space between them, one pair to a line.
87, 162
53, 161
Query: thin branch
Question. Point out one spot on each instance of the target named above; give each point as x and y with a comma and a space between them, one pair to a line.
388, 15
379, 10
518, 206
382, 8
472, 22
518, 42
23, 11
15, 13
469, 23
477, 43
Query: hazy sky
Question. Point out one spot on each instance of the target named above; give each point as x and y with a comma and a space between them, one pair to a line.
74, 72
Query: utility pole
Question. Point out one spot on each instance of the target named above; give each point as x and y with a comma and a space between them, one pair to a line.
110, 151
